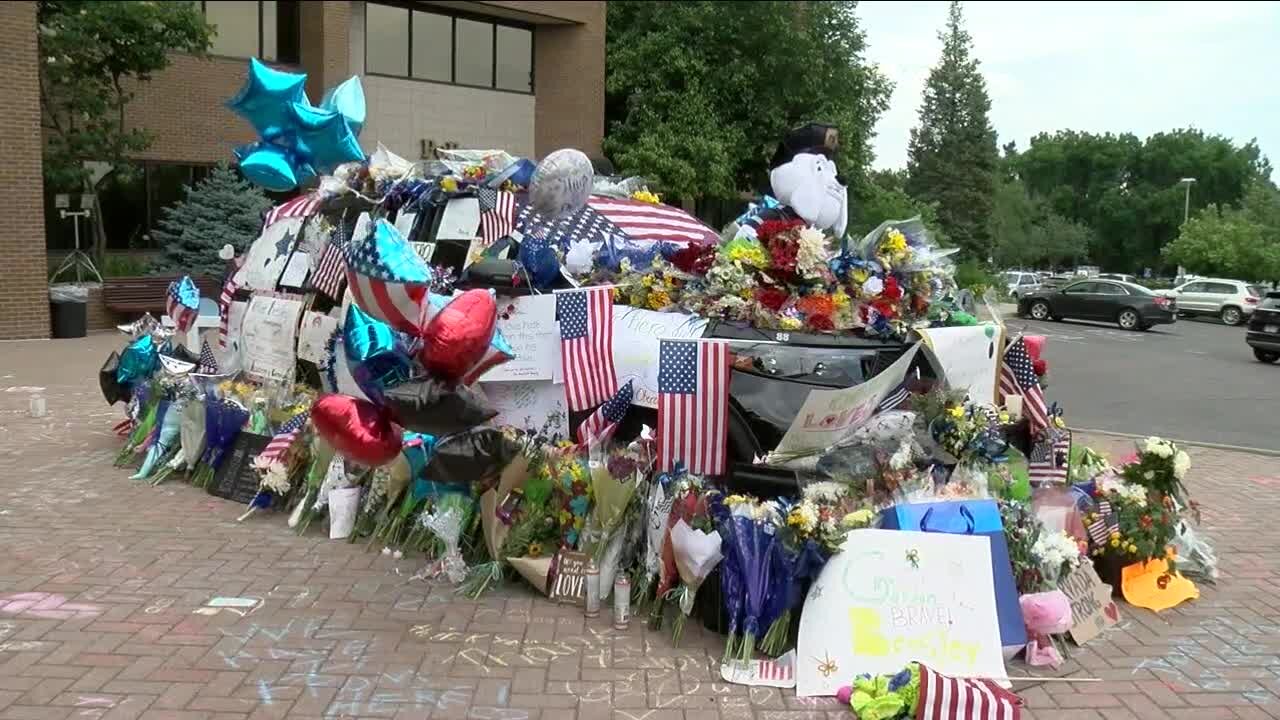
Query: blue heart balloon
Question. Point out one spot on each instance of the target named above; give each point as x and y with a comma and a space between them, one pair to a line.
267, 97
269, 166
376, 358
347, 98
138, 361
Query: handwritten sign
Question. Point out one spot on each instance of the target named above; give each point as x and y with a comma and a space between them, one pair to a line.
528, 405
968, 357
313, 336
636, 334
569, 585
831, 416
268, 338
1092, 609
268, 255
529, 325
893, 596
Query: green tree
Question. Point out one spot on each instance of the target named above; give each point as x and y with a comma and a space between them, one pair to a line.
1237, 242
223, 208
699, 93
1026, 233
952, 154
882, 196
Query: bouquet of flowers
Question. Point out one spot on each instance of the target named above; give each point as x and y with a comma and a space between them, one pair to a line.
617, 480
754, 552
1022, 531
223, 420
1058, 553
450, 513
884, 697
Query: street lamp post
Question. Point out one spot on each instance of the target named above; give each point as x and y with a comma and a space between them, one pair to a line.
1186, 203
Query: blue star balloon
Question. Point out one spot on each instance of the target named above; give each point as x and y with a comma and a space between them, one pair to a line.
347, 98
376, 359
267, 98
324, 137
138, 361
388, 279
269, 166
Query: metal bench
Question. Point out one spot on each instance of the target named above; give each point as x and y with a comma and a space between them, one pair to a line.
137, 295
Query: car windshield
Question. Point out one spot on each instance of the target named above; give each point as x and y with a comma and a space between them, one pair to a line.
1135, 289
1256, 291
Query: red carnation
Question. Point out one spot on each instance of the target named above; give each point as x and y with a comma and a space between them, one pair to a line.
891, 290
769, 228
695, 259
772, 297
821, 322
885, 308
1040, 367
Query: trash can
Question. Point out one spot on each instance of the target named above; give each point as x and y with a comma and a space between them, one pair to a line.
69, 310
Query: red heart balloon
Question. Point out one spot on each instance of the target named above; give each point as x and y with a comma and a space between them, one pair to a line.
357, 429
458, 336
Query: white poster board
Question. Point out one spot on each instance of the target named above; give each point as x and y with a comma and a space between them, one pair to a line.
314, 335
529, 325
528, 404
461, 220
267, 256
230, 358
636, 334
269, 337
968, 357
831, 416
296, 271
893, 596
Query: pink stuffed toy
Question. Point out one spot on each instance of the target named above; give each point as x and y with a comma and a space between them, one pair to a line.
1045, 614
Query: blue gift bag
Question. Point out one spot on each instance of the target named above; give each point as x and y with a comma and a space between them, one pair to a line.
970, 517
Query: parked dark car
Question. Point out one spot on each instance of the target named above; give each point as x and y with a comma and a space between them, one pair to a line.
1130, 306
1263, 334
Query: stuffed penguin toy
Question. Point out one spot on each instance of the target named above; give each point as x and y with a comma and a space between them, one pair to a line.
803, 178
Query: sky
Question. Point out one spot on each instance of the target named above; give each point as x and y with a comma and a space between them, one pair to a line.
1139, 67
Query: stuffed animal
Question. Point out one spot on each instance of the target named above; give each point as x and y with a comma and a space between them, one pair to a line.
804, 178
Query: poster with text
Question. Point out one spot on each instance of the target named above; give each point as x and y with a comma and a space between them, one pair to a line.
268, 338
266, 259
891, 597
636, 334
968, 357
529, 325
313, 336
528, 405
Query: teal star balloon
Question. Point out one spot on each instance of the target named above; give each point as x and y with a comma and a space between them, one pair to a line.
324, 137
267, 98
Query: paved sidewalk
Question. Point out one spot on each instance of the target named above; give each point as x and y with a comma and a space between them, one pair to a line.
99, 579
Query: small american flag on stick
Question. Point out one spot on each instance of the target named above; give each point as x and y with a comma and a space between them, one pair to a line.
284, 439
586, 346
693, 405
330, 272
947, 698
1050, 457
1018, 378
229, 287
604, 421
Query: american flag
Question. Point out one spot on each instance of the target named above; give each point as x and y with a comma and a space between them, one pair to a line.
284, 438
1100, 530
208, 363
301, 206
224, 301
1049, 458
604, 421
330, 272
693, 405
183, 317
586, 225
948, 698
653, 222
1018, 378
501, 220
586, 345
896, 399
774, 670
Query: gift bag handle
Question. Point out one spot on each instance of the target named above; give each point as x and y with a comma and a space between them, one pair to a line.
964, 511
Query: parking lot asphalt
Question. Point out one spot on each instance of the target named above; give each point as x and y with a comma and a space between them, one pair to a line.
1193, 380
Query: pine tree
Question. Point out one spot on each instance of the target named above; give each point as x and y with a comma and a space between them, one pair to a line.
952, 158
223, 208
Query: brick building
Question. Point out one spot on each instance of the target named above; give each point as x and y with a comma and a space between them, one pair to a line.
525, 76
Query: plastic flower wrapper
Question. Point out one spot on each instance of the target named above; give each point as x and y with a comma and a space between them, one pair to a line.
451, 513
1086, 464
696, 554
1196, 557
1058, 554
571, 493
144, 423
616, 479
223, 422
322, 456
753, 539
657, 511
164, 438
884, 697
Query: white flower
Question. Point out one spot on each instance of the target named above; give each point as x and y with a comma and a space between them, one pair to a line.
1158, 447
1181, 464
872, 287
276, 479
1054, 551
1109, 482
828, 490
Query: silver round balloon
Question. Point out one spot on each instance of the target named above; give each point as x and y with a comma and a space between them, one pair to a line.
561, 183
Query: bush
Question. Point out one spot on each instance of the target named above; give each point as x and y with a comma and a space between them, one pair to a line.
977, 279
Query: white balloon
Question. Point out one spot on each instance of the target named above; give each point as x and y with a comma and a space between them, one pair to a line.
561, 183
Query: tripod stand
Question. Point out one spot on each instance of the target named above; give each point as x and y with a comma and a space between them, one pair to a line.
77, 258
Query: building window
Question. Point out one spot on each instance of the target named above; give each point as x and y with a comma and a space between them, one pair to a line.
266, 29
441, 47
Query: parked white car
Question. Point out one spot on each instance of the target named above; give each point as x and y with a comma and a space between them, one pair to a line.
1020, 283
1232, 300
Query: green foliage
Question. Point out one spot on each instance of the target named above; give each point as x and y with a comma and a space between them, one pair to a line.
976, 277
952, 158
91, 55
1242, 243
882, 196
223, 208
1026, 233
699, 93
123, 266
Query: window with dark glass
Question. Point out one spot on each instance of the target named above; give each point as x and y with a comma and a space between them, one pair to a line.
426, 45
266, 29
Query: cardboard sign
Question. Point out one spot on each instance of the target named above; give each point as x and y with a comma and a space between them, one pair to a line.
968, 357
313, 336
569, 578
529, 325
829, 417
269, 336
894, 596
528, 405
636, 334
1092, 609
268, 255
235, 478
460, 221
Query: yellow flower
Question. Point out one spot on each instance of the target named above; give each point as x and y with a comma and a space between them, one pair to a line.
894, 240
1115, 534
859, 276
659, 299
646, 280
449, 185
1004, 417
840, 298
643, 195
789, 323
566, 517
1133, 548
1115, 542
578, 523
857, 518
535, 550
670, 282
956, 412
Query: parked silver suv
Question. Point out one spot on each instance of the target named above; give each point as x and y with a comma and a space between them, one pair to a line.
1231, 300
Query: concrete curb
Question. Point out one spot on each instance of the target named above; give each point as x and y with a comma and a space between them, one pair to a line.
1195, 443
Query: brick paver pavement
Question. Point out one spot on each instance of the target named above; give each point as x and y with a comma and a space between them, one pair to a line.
99, 578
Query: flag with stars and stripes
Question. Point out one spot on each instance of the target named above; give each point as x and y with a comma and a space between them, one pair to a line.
1017, 377
653, 222
586, 225
301, 206
208, 363
693, 405
943, 697
330, 272
387, 279
500, 220
1049, 458
1108, 522
586, 346
228, 293
182, 303
604, 421
284, 438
